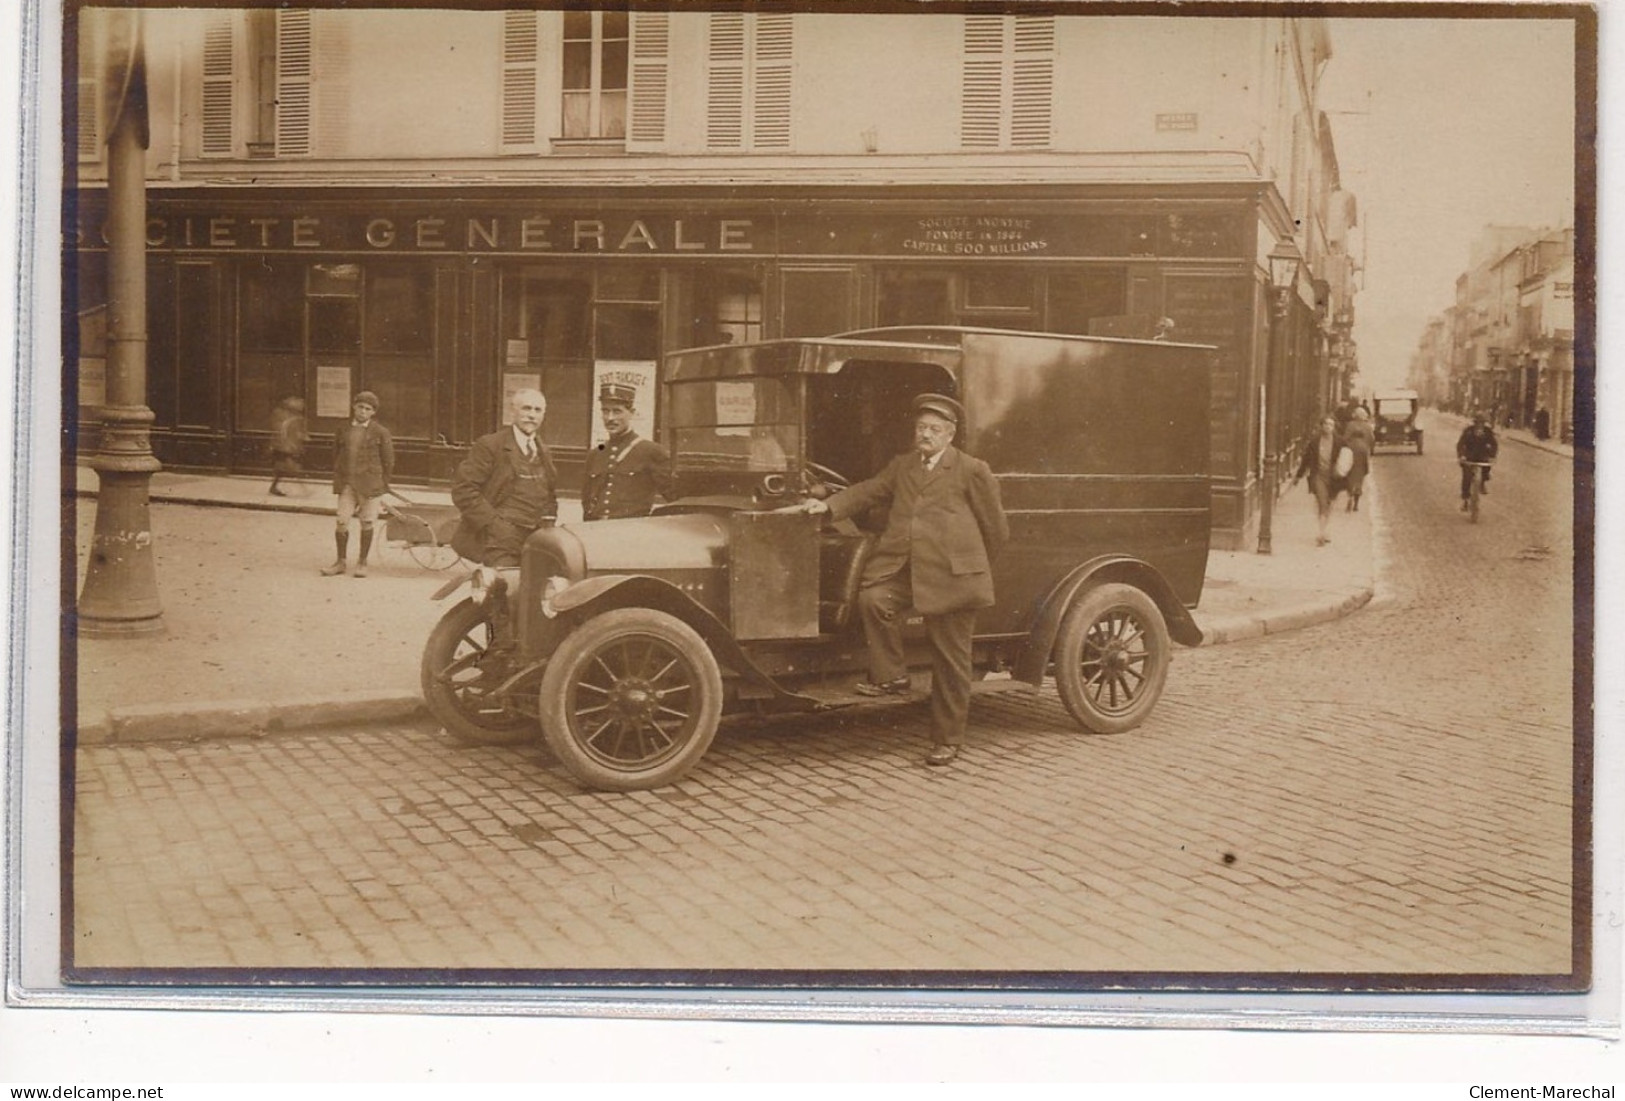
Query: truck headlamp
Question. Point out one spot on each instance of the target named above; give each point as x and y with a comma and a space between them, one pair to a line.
550, 592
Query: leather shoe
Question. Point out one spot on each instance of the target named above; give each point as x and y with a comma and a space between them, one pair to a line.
898, 687
942, 755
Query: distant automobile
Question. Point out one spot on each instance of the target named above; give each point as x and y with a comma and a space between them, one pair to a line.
1394, 414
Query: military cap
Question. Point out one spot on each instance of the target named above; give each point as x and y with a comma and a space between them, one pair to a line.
942, 405
617, 393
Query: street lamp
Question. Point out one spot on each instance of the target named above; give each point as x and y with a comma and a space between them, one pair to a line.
1284, 263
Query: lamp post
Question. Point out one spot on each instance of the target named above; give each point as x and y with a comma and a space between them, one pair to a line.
120, 594
1284, 262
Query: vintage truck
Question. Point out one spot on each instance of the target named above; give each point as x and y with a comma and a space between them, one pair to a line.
627, 640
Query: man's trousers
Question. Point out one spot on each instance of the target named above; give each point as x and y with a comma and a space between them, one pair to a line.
882, 608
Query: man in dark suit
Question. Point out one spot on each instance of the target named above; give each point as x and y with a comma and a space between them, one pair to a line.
945, 527
506, 488
625, 473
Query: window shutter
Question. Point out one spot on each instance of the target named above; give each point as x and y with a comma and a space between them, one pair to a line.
330, 83
519, 69
88, 92
981, 112
725, 111
1032, 88
770, 115
293, 106
651, 46
218, 64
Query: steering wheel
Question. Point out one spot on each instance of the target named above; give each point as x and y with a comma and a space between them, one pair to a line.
827, 476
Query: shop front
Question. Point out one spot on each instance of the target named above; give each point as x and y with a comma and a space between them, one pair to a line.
443, 304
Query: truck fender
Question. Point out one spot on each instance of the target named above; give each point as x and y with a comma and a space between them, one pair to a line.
585, 599
1035, 656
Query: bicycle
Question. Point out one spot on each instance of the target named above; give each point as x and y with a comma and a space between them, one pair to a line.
1475, 487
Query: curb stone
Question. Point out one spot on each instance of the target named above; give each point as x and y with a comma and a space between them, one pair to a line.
168, 722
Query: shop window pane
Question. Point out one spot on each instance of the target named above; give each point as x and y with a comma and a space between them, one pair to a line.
568, 387
629, 285
165, 314
1074, 300
628, 332
335, 326
817, 303
400, 310
273, 306
907, 300
405, 388
335, 280
545, 321
197, 352
999, 290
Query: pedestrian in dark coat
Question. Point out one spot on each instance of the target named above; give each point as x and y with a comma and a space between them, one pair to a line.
1319, 466
1360, 438
506, 488
1476, 444
625, 473
946, 525
288, 438
363, 461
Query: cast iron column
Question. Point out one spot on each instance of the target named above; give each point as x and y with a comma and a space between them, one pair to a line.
120, 597
1279, 302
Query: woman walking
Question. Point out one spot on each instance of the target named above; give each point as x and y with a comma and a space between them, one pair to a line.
1359, 437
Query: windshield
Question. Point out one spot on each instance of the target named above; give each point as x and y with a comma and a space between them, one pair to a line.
1393, 407
745, 424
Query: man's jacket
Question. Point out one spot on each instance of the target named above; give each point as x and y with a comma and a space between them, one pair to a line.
368, 470
1477, 444
946, 526
483, 483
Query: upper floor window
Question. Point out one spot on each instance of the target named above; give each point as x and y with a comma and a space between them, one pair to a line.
750, 58
1008, 82
596, 46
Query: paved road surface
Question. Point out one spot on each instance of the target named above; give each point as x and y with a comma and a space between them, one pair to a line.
1387, 794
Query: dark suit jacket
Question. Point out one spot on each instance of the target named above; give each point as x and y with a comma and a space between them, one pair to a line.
946, 527
617, 486
483, 482
368, 470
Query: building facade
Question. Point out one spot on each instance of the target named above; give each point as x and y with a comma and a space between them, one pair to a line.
443, 206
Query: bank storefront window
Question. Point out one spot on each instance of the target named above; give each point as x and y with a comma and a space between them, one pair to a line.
326, 331
547, 344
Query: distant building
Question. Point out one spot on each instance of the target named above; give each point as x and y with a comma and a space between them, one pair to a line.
441, 206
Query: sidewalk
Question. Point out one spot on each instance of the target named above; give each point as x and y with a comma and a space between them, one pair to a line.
256, 641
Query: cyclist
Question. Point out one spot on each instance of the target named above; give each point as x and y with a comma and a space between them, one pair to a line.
1476, 445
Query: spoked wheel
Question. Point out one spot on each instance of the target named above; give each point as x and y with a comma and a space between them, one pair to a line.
1112, 658
459, 673
631, 700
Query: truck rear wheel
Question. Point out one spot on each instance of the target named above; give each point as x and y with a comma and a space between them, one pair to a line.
631, 700
459, 671
1112, 658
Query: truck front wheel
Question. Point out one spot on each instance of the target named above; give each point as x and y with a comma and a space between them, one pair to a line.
460, 670
1112, 658
631, 700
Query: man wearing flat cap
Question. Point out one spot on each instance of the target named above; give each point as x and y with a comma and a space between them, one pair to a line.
625, 473
945, 527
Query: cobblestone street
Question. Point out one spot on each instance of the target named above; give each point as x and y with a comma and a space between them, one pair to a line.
1389, 793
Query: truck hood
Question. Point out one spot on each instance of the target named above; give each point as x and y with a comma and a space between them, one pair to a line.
691, 540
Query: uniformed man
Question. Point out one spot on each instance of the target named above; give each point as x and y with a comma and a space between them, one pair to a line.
626, 472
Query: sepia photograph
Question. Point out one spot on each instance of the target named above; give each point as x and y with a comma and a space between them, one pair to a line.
1038, 499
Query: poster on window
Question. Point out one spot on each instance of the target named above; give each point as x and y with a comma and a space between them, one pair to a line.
332, 391
512, 383
636, 373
